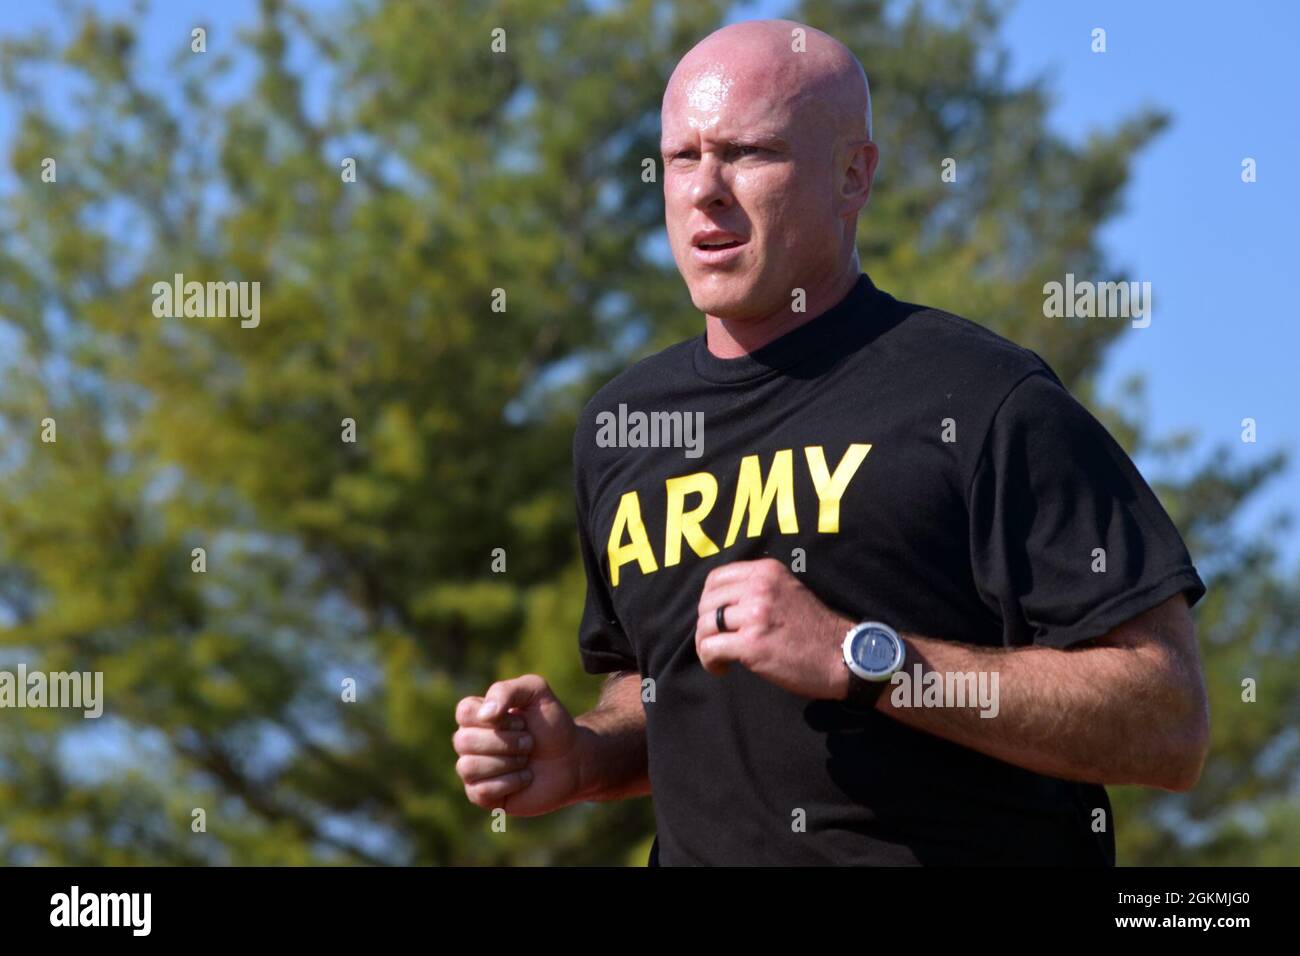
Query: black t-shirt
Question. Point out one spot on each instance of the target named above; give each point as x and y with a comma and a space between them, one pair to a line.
973, 516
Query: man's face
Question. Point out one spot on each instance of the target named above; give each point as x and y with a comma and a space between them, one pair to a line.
739, 161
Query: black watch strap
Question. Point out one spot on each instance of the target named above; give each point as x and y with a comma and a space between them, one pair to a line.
863, 694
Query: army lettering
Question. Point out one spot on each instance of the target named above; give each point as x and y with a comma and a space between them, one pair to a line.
755, 498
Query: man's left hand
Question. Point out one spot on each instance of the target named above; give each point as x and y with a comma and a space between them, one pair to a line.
776, 628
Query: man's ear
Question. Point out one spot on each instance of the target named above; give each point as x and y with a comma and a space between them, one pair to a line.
860, 160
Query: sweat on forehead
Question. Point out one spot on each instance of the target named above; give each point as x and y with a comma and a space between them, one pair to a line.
756, 64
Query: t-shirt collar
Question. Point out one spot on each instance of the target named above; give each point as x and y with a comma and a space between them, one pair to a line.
792, 347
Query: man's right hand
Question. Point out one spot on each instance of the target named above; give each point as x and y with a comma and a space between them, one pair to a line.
518, 748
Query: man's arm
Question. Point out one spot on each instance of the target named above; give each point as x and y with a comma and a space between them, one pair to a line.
1127, 707
612, 762
519, 749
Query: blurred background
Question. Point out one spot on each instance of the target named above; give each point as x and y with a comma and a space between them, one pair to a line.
475, 170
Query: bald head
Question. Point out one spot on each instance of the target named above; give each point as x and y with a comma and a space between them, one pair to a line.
766, 145
808, 69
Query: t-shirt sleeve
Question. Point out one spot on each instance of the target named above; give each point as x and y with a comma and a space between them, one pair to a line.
603, 645
1067, 539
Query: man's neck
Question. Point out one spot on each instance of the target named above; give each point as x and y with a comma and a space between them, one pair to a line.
732, 338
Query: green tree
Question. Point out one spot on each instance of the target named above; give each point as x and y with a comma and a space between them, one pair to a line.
477, 169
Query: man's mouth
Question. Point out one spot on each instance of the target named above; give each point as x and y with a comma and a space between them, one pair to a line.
715, 247
716, 239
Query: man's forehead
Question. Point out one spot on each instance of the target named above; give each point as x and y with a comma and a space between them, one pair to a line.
718, 102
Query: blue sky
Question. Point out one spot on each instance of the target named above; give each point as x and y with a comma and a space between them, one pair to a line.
1222, 342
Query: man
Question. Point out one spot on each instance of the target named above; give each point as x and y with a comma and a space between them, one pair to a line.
889, 497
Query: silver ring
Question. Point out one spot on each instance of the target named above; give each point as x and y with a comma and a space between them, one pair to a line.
720, 617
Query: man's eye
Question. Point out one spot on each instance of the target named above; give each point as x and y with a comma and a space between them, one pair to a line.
746, 150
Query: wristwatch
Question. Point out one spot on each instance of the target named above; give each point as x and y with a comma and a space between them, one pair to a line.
873, 653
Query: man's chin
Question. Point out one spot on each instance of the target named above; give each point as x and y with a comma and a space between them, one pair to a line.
726, 300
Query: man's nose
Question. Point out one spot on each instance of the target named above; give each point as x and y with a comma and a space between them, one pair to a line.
709, 185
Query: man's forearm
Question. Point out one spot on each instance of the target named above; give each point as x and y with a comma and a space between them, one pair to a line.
1084, 714
613, 764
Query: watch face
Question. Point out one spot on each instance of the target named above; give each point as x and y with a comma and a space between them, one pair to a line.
875, 650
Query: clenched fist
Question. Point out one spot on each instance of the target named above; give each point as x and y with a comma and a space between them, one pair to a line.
776, 628
518, 748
